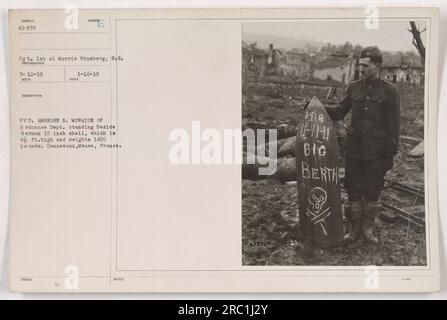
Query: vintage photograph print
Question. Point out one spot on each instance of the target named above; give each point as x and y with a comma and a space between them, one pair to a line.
333, 128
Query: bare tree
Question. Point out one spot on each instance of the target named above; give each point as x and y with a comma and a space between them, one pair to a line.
417, 42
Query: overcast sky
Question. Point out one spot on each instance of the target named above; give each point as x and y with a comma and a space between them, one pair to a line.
391, 35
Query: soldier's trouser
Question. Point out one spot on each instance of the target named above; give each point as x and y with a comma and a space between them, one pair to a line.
364, 183
364, 179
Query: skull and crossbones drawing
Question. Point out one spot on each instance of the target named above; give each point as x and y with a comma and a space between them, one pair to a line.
316, 210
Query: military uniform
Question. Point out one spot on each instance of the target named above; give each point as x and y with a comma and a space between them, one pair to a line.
371, 143
373, 136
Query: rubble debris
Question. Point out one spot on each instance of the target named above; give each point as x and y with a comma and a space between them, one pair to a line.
410, 139
285, 168
417, 151
288, 148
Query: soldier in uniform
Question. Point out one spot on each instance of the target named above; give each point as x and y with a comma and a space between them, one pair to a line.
371, 142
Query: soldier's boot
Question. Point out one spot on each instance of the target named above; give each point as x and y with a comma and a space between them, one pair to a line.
354, 213
371, 212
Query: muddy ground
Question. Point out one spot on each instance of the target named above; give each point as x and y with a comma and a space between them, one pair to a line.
270, 226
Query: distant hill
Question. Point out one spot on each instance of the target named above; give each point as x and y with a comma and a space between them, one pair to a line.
280, 42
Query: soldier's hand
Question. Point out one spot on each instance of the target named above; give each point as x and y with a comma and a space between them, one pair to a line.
306, 103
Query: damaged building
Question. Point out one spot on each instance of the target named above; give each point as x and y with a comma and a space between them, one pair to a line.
403, 73
254, 61
257, 62
335, 68
297, 65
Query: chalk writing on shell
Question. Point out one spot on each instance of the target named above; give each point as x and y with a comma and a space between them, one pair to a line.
314, 127
319, 193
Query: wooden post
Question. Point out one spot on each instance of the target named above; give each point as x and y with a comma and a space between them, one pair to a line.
319, 194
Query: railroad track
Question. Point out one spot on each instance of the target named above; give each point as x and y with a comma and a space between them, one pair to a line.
406, 188
411, 218
408, 217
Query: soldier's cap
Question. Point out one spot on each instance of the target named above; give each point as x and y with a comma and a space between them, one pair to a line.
373, 53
